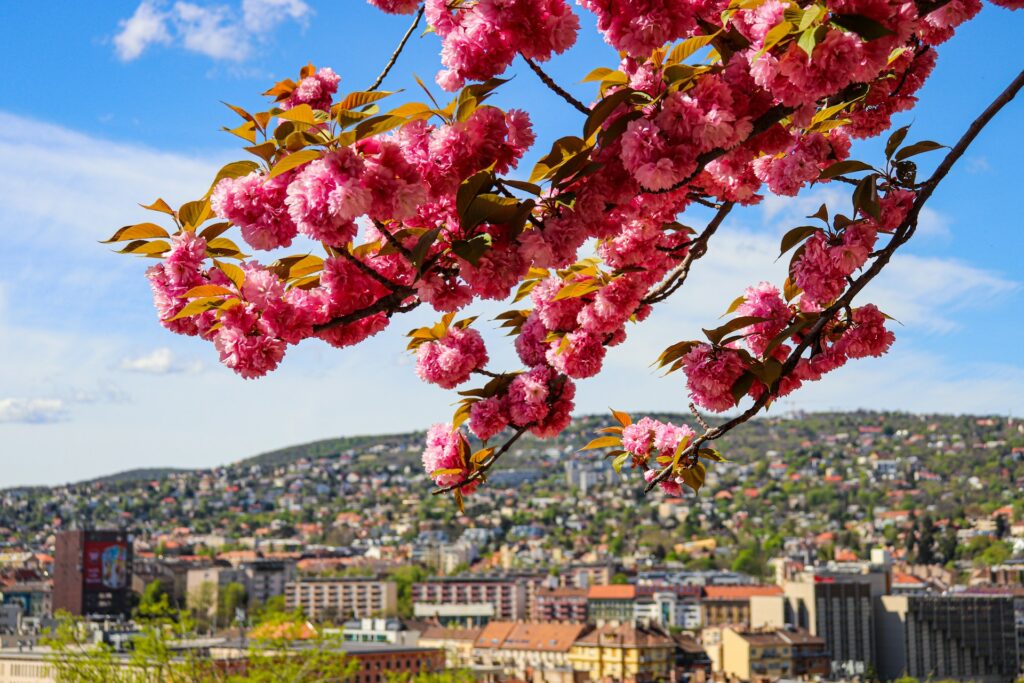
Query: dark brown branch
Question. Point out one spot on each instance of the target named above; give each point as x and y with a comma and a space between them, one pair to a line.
398, 51
390, 304
903, 233
393, 241
697, 249
345, 253
555, 88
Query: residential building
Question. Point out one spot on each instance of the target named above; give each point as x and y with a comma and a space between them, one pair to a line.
507, 596
772, 654
203, 585
457, 644
265, 579
627, 653
369, 630
959, 637
92, 573
560, 604
532, 651
838, 604
730, 605
613, 602
692, 664
342, 598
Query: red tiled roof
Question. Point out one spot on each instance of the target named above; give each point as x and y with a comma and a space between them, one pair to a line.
612, 592
739, 592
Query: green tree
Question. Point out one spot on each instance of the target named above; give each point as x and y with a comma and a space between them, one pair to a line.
156, 655
155, 602
229, 599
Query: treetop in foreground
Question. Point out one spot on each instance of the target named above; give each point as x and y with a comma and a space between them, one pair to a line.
714, 104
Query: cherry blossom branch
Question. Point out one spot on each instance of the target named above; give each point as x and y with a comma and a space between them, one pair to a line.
389, 304
393, 241
398, 51
555, 88
761, 124
697, 249
902, 234
358, 263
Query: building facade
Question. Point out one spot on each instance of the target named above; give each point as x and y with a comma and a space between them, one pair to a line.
508, 597
560, 604
342, 598
948, 637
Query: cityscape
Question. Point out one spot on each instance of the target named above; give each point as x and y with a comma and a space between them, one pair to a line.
511, 341
827, 547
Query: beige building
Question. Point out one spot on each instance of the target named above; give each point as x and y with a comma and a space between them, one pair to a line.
457, 644
762, 656
341, 598
533, 651
625, 654
25, 666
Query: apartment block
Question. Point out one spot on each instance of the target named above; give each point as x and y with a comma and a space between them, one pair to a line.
342, 598
954, 637
507, 598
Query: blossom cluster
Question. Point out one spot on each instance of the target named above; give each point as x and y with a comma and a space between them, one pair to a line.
651, 444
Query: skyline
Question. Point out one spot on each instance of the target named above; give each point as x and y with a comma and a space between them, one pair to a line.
86, 368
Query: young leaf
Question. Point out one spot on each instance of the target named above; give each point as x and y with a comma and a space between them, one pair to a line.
796, 236
602, 442
895, 140
844, 167
294, 160
623, 418
917, 148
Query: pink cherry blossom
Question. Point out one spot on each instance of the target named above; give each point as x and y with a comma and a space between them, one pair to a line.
450, 360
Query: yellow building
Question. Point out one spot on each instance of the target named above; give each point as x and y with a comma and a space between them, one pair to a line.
626, 654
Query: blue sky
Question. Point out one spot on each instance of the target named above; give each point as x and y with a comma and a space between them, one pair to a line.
109, 104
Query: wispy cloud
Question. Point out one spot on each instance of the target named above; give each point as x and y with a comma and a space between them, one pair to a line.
32, 410
221, 32
147, 26
160, 361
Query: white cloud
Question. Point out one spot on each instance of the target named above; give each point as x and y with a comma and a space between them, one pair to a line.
262, 16
144, 28
160, 361
211, 31
220, 32
32, 410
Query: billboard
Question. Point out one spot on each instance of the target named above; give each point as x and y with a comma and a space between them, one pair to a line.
105, 565
106, 573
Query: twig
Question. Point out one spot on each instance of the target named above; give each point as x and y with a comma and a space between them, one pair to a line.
697, 249
485, 465
555, 88
902, 234
398, 50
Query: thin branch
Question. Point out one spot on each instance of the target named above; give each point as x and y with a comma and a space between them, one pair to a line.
903, 233
697, 249
393, 241
390, 304
555, 88
485, 465
345, 253
398, 50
